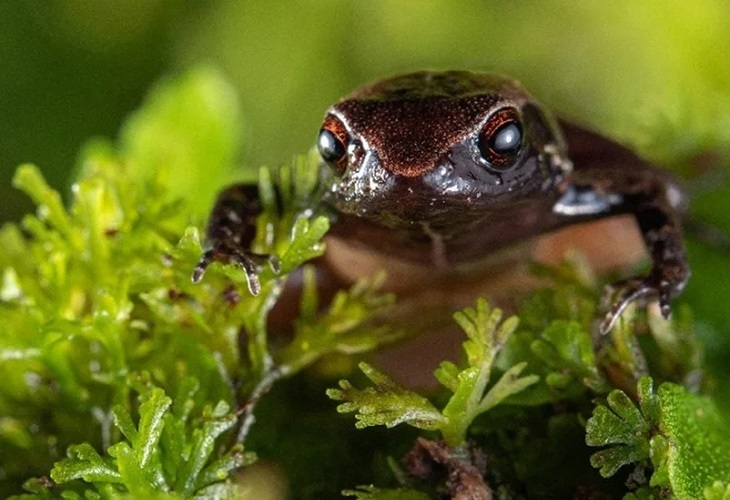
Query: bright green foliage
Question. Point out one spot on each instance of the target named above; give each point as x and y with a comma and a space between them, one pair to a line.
554, 337
686, 440
573, 369
387, 404
573, 296
96, 292
567, 350
169, 450
718, 491
625, 426
99, 289
171, 141
698, 441
487, 335
291, 235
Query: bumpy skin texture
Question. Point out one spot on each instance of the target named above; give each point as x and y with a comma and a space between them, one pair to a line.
231, 230
414, 170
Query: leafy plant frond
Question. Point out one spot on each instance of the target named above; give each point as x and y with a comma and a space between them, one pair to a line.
566, 348
672, 428
164, 451
625, 427
388, 404
385, 403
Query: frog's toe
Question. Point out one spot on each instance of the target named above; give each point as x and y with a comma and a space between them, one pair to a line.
250, 262
202, 265
274, 264
619, 295
665, 294
250, 267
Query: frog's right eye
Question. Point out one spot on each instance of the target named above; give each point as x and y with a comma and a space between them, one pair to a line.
501, 138
332, 143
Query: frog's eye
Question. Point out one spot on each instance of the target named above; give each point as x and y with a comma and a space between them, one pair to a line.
501, 138
332, 143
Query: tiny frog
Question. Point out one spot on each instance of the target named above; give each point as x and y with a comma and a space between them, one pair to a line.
443, 169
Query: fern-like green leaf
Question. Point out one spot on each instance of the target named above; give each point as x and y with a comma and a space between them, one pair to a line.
84, 462
487, 334
567, 349
137, 466
624, 426
385, 404
510, 383
388, 404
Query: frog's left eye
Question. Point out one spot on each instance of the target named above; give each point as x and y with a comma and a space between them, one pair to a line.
500, 139
332, 143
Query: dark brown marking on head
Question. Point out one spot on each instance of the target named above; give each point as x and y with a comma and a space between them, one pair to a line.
412, 121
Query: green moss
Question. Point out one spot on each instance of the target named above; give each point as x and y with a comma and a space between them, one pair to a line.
98, 291
698, 453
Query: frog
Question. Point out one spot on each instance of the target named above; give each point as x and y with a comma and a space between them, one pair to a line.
439, 170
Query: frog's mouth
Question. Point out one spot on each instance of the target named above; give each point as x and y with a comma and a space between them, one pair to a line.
359, 190
396, 203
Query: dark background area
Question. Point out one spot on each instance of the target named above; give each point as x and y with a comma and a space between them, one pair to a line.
653, 75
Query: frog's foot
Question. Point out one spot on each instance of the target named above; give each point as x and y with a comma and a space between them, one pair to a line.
250, 262
617, 297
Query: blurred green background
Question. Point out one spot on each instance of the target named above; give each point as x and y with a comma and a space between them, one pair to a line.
655, 75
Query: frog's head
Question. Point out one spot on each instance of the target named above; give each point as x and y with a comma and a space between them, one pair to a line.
436, 148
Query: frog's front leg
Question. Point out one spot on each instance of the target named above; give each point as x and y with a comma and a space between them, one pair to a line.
230, 232
609, 179
655, 203
669, 273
